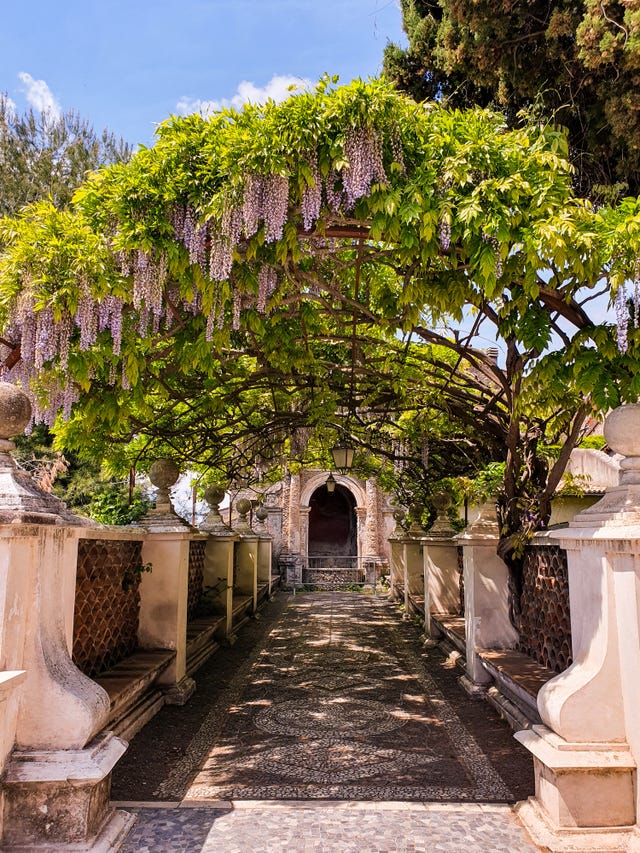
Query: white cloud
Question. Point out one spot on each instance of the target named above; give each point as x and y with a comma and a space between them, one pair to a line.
278, 88
40, 96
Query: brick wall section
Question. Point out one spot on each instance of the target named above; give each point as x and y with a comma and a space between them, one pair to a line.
545, 633
460, 551
196, 577
335, 577
105, 628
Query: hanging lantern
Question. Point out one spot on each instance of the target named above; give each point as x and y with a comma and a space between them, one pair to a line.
342, 457
331, 484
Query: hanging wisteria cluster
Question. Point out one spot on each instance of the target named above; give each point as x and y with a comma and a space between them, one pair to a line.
363, 150
265, 201
262, 202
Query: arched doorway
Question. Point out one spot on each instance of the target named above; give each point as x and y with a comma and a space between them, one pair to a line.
333, 530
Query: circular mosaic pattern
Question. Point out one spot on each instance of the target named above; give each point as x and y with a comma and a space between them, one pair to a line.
328, 761
335, 715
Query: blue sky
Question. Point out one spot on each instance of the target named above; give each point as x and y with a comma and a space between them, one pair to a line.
129, 64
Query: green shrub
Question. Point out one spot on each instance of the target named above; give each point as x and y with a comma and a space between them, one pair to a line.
111, 506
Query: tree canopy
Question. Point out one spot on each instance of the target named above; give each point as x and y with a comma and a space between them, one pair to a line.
578, 61
46, 156
327, 263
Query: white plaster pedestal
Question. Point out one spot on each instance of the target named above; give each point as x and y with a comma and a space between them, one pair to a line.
586, 754
486, 600
55, 786
441, 578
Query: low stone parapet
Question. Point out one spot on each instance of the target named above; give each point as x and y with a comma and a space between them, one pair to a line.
333, 577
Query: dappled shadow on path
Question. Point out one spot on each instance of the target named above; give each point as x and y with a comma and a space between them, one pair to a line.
336, 703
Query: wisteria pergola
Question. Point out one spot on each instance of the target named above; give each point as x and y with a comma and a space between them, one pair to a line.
257, 272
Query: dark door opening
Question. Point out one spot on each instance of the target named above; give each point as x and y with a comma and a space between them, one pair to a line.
333, 530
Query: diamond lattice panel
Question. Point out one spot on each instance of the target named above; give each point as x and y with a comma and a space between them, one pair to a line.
196, 575
545, 633
107, 603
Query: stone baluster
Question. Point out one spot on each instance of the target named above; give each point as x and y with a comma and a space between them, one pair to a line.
486, 601
397, 568
264, 549
440, 566
413, 561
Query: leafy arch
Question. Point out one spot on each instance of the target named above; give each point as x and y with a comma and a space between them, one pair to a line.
261, 272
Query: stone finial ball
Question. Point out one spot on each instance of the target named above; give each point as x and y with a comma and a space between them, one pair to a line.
441, 500
622, 429
15, 410
243, 506
214, 495
415, 511
262, 513
164, 473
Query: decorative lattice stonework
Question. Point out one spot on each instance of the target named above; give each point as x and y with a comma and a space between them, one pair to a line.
196, 575
331, 577
545, 633
460, 551
105, 627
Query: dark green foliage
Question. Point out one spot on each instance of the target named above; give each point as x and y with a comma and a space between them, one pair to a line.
576, 61
47, 157
111, 506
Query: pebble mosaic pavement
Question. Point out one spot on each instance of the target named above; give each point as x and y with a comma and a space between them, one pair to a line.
333, 736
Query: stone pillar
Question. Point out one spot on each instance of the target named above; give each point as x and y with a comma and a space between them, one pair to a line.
56, 781
370, 546
397, 567
218, 558
361, 519
264, 548
164, 590
286, 514
486, 600
246, 556
440, 566
587, 751
304, 513
413, 569
293, 543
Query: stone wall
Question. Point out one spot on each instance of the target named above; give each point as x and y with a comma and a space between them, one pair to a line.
545, 633
196, 575
105, 627
331, 577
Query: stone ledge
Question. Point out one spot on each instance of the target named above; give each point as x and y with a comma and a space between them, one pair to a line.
452, 628
73, 766
518, 679
9, 680
416, 603
203, 639
129, 680
558, 754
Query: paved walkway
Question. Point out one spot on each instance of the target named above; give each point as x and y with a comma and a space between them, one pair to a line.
336, 732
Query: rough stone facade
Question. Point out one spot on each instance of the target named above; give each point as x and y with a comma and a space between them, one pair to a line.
289, 511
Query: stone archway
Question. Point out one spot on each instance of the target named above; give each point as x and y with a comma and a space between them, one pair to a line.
332, 528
